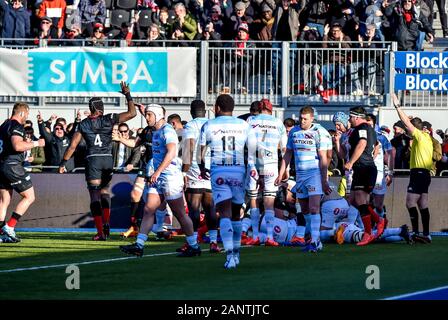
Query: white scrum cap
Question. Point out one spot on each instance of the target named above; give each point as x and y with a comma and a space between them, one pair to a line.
157, 110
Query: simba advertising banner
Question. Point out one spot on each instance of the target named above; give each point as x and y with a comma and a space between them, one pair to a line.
159, 72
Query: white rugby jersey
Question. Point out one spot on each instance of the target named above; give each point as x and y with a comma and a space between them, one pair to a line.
160, 138
226, 137
385, 146
270, 133
192, 130
306, 144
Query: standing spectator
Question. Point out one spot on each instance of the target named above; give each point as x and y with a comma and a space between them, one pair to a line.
316, 15
73, 37
238, 17
420, 177
441, 5
35, 156
91, 12
56, 142
16, 21
166, 26
406, 24
185, 26
55, 9
262, 27
154, 37
120, 152
436, 147
402, 146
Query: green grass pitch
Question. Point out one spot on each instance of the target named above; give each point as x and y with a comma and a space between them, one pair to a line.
338, 272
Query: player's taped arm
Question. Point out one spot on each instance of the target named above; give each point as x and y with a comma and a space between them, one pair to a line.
131, 112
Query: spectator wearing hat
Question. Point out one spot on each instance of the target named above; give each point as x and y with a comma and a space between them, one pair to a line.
261, 29
16, 21
55, 9
215, 16
238, 17
91, 12
436, 147
73, 37
238, 64
98, 39
401, 144
258, 6
46, 32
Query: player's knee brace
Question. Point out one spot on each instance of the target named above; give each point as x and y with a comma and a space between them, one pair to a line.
95, 208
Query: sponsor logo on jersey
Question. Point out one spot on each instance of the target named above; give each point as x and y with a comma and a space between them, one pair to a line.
264, 126
227, 131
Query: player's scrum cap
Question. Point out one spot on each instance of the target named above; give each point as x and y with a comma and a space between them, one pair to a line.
265, 104
341, 117
96, 104
157, 110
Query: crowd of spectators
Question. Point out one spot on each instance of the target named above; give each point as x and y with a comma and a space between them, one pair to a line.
408, 22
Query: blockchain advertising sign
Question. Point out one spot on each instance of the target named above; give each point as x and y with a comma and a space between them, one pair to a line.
437, 61
93, 71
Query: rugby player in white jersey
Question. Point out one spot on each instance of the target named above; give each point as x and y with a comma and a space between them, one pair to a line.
384, 164
352, 233
198, 190
226, 136
271, 135
165, 184
309, 144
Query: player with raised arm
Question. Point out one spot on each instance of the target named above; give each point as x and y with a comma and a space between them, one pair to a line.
271, 135
96, 130
164, 184
13, 146
226, 136
309, 144
198, 190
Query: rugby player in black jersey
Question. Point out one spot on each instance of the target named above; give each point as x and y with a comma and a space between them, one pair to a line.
97, 133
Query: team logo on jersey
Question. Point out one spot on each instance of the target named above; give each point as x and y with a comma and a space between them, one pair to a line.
311, 188
277, 229
308, 136
219, 181
336, 211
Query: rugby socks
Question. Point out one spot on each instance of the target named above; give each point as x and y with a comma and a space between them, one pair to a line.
134, 208
413, 213
160, 217
226, 230
246, 223
392, 239
391, 232
269, 216
308, 223
236, 225
213, 236
195, 235
326, 235
255, 221
375, 217
366, 218
105, 205
301, 225
15, 217
191, 240
141, 239
315, 227
425, 221
95, 208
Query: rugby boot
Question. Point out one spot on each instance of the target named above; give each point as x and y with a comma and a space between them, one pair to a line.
404, 233
183, 248
10, 233
190, 252
132, 232
271, 243
214, 248
106, 230
366, 239
253, 242
132, 249
339, 235
99, 237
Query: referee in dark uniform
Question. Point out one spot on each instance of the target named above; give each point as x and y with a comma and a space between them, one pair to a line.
97, 132
362, 145
13, 146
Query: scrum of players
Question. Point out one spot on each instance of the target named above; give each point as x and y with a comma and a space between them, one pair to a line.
255, 182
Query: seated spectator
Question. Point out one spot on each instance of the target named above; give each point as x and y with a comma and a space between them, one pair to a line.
154, 37
197, 10
46, 32
166, 26
35, 156
214, 15
365, 61
209, 33
54, 9
126, 33
98, 39
91, 12
238, 65
406, 23
333, 69
73, 37
16, 21
316, 14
